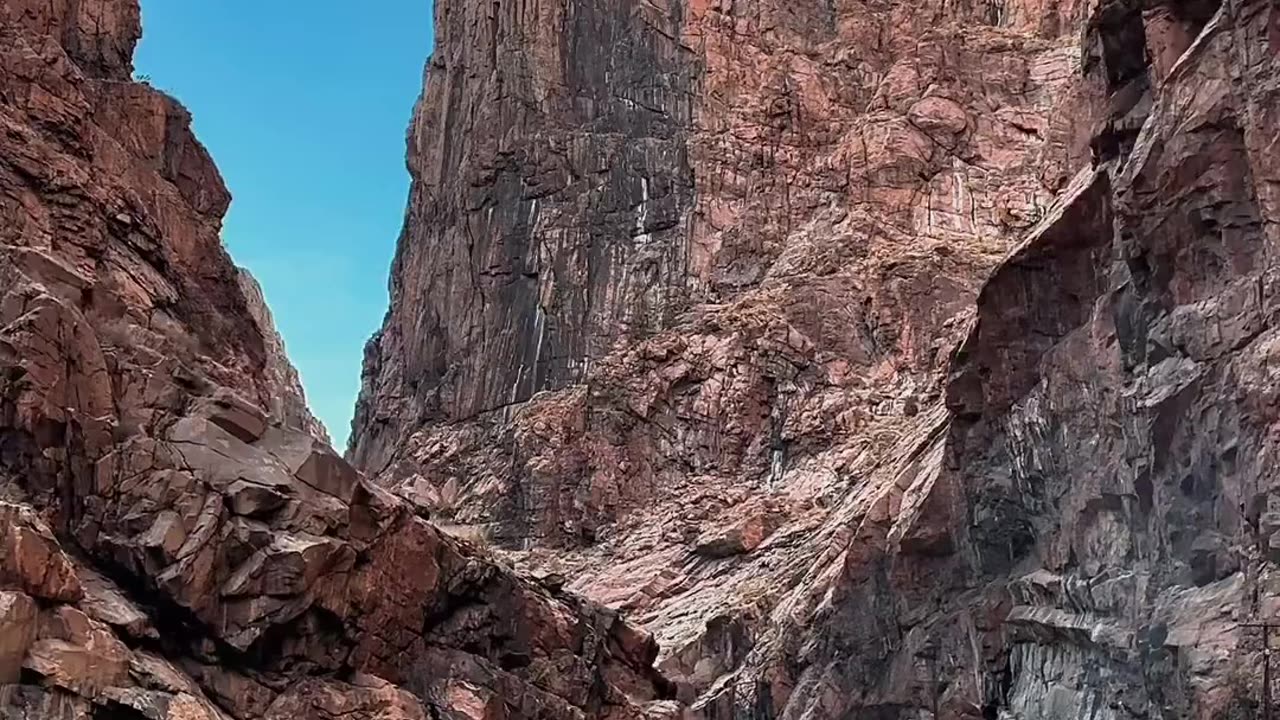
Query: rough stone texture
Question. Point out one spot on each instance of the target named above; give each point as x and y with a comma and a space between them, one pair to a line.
790, 182
683, 317
18, 620
177, 540
884, 360
678, 280
1110, 452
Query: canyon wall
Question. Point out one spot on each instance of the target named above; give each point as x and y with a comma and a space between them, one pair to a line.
883, 359
177, 540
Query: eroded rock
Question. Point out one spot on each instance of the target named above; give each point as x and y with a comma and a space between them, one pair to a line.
18, 623
32, 560
944, 286
177, 540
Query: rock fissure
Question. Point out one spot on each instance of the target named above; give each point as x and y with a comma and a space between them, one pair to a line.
878, 360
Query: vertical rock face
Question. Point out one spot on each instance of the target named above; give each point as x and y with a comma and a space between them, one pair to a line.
884, 359
551, 195
679, 279
591, 176
1111, 455
177, 540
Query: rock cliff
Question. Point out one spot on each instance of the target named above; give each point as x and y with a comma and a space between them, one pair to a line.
177, 540
880, 359
884, 359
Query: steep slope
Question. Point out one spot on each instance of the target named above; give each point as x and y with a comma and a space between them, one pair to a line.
679, 282
175, 542
675, 319
1114, 425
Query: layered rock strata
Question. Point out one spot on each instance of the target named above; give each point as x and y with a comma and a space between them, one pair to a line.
176, 543
684, 316
679, 281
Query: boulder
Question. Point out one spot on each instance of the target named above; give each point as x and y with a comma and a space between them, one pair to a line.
312, 462
104, 602
77, 653
234, 414
253, 500
736, 537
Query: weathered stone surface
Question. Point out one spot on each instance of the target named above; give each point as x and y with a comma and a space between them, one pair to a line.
28, 702
251, 499
742, 536
77, 654
884, 360
104, 602
18, 615
235, 414
98, 35
679, 283
31, 559
366, 699
974, 298
313, 463
194, 549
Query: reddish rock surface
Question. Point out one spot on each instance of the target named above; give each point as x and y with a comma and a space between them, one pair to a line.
177, 540
886, 360
881, 360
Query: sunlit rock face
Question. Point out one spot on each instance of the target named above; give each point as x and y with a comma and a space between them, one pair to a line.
880, 360
883, 359
177, 540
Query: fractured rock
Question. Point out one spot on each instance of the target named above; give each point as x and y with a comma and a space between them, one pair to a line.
742, 536
78, 654
964, 291
236, 415
31, 559
251, 499
313, 463
151, 419
18, 615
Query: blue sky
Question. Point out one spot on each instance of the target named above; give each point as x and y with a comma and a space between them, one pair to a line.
304, 107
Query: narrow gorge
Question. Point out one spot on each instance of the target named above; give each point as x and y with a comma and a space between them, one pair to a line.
746, 360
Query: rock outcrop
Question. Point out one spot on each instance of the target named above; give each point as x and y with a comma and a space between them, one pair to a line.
679, 283
880, 359
177, 540
1109, 459
883, 359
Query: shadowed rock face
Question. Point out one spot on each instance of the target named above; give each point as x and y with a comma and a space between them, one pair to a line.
1112, 457
177, 540
550, 201
884, 359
